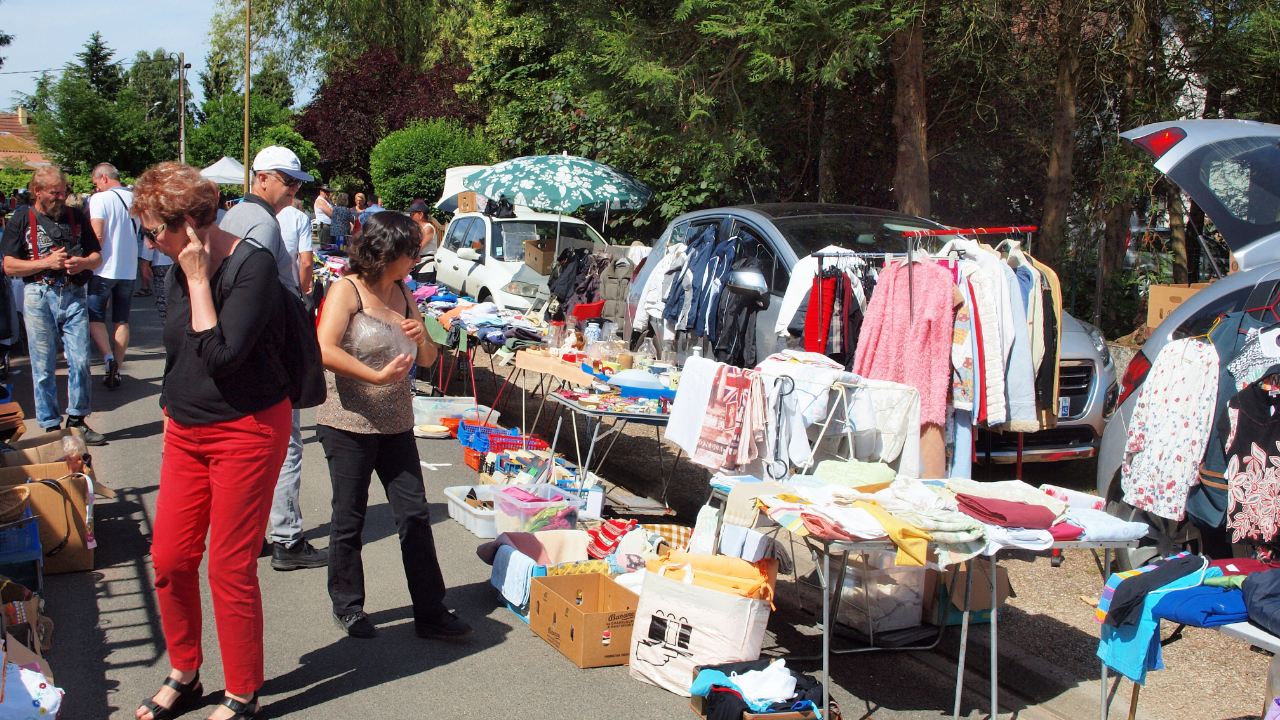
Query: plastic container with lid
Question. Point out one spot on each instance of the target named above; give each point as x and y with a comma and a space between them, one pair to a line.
889, 597
552, 506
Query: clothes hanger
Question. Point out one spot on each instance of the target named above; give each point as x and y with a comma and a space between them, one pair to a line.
1209, 332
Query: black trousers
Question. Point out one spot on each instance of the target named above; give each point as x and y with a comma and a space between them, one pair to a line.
353, 458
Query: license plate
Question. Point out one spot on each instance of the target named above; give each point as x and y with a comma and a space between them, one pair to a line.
1064, 407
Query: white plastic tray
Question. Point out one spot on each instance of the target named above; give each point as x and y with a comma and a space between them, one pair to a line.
479, 522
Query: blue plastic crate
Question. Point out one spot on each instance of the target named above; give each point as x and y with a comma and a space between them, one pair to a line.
21, 543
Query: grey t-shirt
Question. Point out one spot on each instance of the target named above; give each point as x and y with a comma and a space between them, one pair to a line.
255, 220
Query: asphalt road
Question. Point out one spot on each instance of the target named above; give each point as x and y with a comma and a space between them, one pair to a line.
109, 651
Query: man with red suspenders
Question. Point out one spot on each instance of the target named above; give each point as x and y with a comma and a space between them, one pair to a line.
54, 250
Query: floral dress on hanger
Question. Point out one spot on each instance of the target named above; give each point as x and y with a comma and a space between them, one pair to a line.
1170, 427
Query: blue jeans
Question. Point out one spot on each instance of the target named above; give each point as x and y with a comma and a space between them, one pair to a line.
50, 313
286, 514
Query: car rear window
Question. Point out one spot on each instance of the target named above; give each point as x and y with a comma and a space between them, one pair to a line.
1239, 181
860, 233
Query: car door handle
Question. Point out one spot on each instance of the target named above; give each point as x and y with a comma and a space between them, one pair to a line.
455, 267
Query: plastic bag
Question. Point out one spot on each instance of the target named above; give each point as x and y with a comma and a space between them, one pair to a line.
375, 338
73, 449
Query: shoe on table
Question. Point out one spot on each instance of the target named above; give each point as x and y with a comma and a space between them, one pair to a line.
445, 625
357, 625
298, 556
112, 379
90, 437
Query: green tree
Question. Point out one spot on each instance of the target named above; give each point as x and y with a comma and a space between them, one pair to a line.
272, 82
410, 163
97, 69
285, 136
220, 76
221, 130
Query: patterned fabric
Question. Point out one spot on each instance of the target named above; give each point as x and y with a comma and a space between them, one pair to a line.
1251, 362
1170, 427
677, 536
962, 354
586, 567
1253, 465
559, 183
1113, 582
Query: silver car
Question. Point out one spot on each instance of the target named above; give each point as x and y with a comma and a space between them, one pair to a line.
1231, 168
781, 234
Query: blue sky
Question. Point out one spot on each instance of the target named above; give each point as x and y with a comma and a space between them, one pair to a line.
48, 34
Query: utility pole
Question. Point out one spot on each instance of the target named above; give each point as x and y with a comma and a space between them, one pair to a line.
246, 96
182, 108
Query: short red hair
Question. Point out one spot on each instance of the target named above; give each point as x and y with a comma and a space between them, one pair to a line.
174, 192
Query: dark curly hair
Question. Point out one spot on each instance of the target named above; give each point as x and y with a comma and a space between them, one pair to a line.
385, 238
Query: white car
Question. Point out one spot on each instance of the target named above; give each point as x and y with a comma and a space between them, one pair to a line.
483, 257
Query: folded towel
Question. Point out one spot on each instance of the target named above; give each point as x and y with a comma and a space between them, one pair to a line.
1065, 532
731, 540
512, 575
1006, 513
1098, 526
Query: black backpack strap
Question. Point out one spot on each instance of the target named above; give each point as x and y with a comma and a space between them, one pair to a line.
132, 222
233, 268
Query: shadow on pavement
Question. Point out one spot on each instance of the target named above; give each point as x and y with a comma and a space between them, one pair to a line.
351, 665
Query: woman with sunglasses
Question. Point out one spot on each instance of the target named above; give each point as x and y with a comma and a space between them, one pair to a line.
225, 393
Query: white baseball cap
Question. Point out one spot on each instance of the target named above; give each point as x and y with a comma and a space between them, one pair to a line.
280, 158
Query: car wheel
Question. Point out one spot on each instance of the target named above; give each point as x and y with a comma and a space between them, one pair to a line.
1166, 537
485, 296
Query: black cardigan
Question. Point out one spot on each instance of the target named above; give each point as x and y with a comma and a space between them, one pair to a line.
232, 369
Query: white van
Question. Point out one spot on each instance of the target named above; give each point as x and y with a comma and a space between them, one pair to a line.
483, 257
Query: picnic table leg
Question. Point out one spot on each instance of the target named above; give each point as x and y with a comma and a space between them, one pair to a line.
551, 465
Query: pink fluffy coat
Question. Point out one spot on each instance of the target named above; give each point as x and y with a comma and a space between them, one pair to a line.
894, 347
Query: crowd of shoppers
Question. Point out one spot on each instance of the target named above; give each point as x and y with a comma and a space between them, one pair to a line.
232, 461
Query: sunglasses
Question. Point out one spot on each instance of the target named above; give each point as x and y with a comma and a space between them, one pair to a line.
152, 233
288, 180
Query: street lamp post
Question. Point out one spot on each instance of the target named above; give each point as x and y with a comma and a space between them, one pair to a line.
147, 115
182, 107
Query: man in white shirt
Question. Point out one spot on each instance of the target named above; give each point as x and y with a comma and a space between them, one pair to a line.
295, 231
112, 282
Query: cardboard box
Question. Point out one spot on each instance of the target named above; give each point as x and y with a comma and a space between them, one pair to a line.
46, 448
573, 613
467, 202
1164, 299
952, 598
540, 255
55, 511
23, 656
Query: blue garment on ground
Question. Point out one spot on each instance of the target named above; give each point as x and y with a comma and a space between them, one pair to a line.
706, 678
1203, 606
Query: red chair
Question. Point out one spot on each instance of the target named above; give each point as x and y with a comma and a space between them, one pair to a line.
586, 311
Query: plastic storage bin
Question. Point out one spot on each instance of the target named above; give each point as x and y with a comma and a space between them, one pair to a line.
431, 410
479, 522
896, 594
20, 542
516, 516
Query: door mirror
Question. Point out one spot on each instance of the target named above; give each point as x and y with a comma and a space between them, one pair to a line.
468, 254
748, 281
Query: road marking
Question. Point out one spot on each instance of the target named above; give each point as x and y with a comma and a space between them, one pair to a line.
435, 466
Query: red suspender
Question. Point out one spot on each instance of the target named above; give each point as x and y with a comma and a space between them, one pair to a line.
33, 229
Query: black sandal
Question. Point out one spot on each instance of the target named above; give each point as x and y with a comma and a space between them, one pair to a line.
243, 711
188, 695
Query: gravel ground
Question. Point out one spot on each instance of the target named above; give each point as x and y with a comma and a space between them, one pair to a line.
1047, 619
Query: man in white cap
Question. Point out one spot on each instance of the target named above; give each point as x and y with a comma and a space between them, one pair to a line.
277, 173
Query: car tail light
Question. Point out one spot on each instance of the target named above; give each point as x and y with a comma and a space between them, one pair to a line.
1139, 366
1159, 143
636, 273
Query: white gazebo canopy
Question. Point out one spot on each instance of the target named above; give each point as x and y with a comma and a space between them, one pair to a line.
453, 186
226, 171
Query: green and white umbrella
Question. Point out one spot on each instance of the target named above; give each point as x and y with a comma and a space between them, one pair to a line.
560, 184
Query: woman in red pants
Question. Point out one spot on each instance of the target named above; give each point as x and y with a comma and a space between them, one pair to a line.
225, 394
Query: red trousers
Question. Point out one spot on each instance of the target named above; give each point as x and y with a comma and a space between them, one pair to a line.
217, 480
